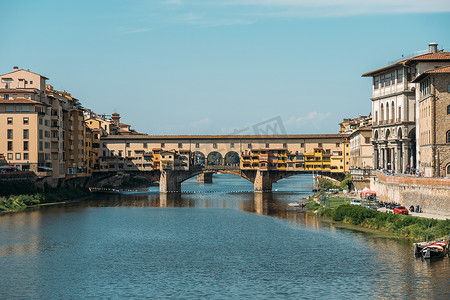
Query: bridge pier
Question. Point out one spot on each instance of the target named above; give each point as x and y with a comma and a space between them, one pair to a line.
169, 183
205, 177
263, 181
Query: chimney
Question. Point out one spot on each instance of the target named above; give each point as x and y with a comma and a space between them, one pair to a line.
432, 48
116, 118
15, 68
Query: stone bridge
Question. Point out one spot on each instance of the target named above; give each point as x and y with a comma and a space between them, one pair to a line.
170, 180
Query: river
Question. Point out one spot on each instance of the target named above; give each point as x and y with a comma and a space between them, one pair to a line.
214, 241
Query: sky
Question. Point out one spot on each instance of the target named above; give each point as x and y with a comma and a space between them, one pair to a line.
217, 67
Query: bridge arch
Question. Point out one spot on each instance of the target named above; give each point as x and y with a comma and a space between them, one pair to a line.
232, 158
199, 158
215, 159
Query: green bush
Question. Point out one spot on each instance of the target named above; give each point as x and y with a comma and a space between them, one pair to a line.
17, 202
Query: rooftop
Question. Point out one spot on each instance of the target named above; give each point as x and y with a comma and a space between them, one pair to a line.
439, 56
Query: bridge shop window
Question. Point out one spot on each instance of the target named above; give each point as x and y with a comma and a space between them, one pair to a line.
249, 146
145, 145
231, 145
319, 145
197, 145
180, 145
267, 146
284, 145
163, 145
215, 145
302, 145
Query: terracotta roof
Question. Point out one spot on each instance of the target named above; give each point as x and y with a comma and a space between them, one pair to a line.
225, 137
25, 71
424, 57
444, 69
440, 70
21, 101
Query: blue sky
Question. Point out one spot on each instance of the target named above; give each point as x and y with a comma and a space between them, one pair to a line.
210, 67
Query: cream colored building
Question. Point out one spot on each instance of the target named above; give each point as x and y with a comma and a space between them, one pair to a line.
42, 129
361, 149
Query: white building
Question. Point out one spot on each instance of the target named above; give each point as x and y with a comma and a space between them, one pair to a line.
394, 112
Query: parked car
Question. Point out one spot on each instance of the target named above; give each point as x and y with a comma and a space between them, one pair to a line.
400, 210
355, 202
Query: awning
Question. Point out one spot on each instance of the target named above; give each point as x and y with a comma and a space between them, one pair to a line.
368, 192
6, 167
45, 168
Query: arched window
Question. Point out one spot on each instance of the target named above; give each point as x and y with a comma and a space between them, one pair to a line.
448, 110
393, 112
382, 114
448, 137
387, 112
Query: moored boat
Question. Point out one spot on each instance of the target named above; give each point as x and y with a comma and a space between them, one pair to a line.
435, 249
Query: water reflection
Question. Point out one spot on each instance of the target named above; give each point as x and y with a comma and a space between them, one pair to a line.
230, 240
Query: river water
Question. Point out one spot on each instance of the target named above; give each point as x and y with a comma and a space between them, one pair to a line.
215, 241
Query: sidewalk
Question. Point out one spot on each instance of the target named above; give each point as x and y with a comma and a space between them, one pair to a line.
421, 215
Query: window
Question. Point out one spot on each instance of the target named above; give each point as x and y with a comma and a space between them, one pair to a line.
215, 145
41, 146
284, 145
18, 155
6, 97
145, 145
25, 121
129, 152
382, 80
25, 134
9, 108
448, 88
25, 156
10, 156
25, 108
197, 145
10, 120
376, 82
448, 110
10, 133
180, 145
338, 145
302, 145
249, 146
231, 145
40, 121
367, 140
17, 107
31, 81
10, 146
448, 137
319, 145
120, 153
163, 145
267, 145
127, 144
400, 76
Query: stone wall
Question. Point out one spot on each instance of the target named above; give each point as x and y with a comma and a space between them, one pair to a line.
432, 194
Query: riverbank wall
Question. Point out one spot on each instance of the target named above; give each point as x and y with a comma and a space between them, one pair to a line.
431, 194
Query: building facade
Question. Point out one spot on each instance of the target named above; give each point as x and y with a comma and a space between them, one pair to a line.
394, 112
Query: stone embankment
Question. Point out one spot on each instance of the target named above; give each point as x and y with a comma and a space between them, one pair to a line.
431, 194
